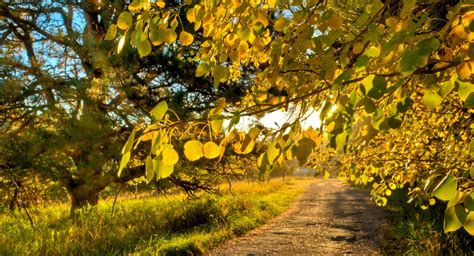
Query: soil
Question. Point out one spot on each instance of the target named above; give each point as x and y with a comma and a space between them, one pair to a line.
330, 218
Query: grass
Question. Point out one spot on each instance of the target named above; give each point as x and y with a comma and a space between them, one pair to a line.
412, 231
172, 225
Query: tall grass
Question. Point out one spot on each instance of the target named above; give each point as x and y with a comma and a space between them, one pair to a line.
173, 225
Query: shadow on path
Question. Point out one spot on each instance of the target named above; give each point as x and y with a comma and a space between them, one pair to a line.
330, 218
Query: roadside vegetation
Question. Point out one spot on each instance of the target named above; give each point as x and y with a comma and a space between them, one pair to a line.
164, 225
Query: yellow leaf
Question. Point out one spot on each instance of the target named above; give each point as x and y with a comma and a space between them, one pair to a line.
124, 162
358, 48
272, 152
149, 172
148, 136
201, 70
120, 44
186, 38
463, 70
280, 24
216, 125
169, 36
220, 73
193, 150
335, 22
144, 48
161, 4
191, 15
170, 156
124, 20
272, 3
128, 146
111, 32
163, 170
211, 150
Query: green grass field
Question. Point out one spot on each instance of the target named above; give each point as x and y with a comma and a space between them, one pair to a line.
165, 225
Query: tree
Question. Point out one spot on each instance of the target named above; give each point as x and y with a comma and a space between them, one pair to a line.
385, 65
63, 90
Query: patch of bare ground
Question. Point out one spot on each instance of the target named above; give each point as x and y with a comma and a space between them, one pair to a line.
330, 218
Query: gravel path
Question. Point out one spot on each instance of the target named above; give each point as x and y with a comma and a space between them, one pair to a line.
329, 218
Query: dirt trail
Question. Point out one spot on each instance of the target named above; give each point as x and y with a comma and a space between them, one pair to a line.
329, 218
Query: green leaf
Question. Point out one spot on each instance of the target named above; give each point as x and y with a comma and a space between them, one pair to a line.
221, 74
464, 89
159, 111
193, 150
170, 156
149, 172
469, 202
128, 145
418, 57
124, 162
447, 188
369, 105
124, 20
263, 164
341, 140
469, 103
432, 99
394, 122
111, 32
446, 88
211, 150
163, 170
216, 125
471, 172
375, 86
156, 36
303, 150
144, 48
451, 220
469, 223
404, 105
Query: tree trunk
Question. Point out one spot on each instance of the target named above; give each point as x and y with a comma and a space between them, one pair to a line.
83, 196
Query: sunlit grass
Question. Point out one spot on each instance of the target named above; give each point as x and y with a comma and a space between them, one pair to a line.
173, 225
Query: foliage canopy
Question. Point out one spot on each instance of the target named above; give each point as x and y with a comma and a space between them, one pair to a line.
398, 72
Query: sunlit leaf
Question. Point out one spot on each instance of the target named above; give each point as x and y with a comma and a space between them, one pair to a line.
159, 111
111, 32
272, 152
432, 99
186, 38
201, 70
124, 162
163, 170
124, 20
210, 150
144, 48
149, 171
193, 150
128, 145
169, 36
447, 189
170, 156
469, 223
451, 220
